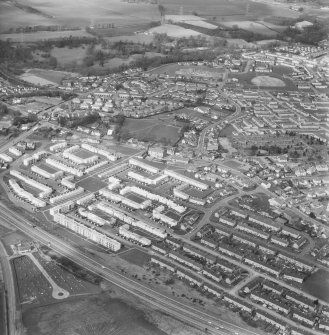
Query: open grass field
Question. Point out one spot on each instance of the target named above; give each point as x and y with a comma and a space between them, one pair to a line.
89, 315
226, 9
36, 80
135, 256
190, 19
173, 30
267, 81
43, 35
247, 80
80, 13
255, 27
92, 184
153, 129
66, 55
318, 285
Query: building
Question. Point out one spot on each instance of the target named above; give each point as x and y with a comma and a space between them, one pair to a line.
110, 155
185, 260
300, 300
87, 232
26, 195
146, 178
253, 231
271, 319
264, 222
126, 233
141, 164
45, 174
304, 318
163, 263
181, 273
185, 179
275, 304
238, 303
260, 265
156, 152
45, 190
66, 196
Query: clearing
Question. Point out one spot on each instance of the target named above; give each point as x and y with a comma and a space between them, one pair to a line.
151, 130
267, 81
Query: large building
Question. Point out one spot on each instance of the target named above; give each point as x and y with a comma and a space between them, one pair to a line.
46, 190
193, 182
87, 232
26, 195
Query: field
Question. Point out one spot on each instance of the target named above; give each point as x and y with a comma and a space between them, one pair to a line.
80, 13
246, 80
267, 81
51, 76
42, 35
224, 9
151, 129
135, 256
36, 80
92, 184
91, 315
82, 153
173, 31
318, 285
190, 19
255, 27
66, 55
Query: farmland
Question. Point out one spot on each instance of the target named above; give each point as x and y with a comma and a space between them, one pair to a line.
43, 35
77, 13
173, 31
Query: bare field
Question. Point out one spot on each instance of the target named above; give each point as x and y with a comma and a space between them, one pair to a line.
267, 81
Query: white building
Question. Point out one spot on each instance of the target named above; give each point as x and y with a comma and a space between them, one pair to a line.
126, 233
87, 232
187, 180
66, 195
46, 174
46, 190
26, 195
143, 165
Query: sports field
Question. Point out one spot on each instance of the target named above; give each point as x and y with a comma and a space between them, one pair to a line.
267, 81
270, 80
151, 130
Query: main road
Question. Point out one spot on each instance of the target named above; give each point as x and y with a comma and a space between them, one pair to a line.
191, 315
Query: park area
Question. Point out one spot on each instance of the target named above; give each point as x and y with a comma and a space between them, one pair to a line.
271, 80
151, 130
